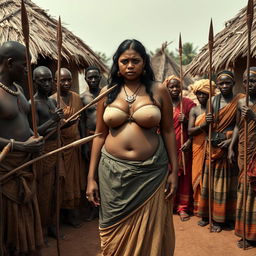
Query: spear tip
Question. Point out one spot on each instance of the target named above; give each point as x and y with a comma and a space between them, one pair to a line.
211, 36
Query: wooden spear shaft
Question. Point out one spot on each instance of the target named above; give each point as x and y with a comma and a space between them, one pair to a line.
59, 46
210, 46
25, 30
94, 101
76, 143
181, 106
250, 10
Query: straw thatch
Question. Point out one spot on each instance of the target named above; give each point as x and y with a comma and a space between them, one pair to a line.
164, 66
230, 45
43, 35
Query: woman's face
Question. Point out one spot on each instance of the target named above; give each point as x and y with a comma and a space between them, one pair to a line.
131, 65
174, 88
202, 97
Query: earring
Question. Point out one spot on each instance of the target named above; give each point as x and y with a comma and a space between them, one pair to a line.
118, 73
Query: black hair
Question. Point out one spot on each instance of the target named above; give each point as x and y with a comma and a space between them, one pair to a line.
91, 68
147, 78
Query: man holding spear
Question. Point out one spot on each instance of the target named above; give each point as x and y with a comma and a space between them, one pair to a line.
20, 220
248, 113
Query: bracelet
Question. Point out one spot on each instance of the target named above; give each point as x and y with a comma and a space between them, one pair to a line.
12, 144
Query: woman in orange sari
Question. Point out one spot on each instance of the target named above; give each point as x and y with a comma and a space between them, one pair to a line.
132, 159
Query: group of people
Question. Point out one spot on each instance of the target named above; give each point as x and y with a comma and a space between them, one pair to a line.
151, 157
227, 115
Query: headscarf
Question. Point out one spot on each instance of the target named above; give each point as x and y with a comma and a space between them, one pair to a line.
203, 85
169, 78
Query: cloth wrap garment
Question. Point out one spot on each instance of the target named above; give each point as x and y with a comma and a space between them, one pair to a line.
21, 225
74, 180
250, 225
224, 178
184, 197
135, 218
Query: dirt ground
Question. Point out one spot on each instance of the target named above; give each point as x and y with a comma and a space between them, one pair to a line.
191, 240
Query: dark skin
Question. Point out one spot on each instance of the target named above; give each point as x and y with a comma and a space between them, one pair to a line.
143, 142
47, 114
225, 84
14, 110
175, 90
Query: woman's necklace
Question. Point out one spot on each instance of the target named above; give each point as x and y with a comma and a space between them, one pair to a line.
8, 90
131, 98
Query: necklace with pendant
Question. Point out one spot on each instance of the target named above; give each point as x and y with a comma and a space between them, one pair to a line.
131, 98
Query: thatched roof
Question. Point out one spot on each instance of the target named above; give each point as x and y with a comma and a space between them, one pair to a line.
164, 66
229, 45
43, 35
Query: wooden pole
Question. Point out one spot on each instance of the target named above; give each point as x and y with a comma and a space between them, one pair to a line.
59, 46
210, 47
94, 101
76, 143
25, 30
181, 106
250, 9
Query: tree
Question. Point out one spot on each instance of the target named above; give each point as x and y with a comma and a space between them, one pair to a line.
103, 57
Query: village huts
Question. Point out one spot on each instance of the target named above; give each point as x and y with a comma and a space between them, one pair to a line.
76, 55
230, 50
164, 65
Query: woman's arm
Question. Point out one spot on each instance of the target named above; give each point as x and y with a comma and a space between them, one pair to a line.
168, 134
192, 129
92, 191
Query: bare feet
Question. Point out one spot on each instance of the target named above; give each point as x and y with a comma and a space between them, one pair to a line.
203, 222
248, 244
216, 227
184, 216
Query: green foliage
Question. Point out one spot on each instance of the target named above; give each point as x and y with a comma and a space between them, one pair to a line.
103, 57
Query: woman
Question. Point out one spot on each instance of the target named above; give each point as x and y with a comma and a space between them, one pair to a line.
196, 130
184, 197
132, 159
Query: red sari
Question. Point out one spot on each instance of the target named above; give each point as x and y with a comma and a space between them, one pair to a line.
184, 197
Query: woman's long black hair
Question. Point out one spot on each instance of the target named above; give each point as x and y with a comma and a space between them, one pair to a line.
147, 77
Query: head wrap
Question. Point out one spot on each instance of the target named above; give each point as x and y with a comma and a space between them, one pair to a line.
169, 78
226, 73
202, 85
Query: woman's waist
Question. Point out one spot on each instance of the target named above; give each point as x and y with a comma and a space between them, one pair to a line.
136, 147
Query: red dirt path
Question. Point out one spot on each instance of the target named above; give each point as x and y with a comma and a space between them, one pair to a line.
191, 240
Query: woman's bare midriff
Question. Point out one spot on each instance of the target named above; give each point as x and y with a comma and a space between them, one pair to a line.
132, 142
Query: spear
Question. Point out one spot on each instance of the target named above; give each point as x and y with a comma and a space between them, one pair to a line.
59, 42
76, 143
210, 47
94, 101
181, 105
25, 30
250, 9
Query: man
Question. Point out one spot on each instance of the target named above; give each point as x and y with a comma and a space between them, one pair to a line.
239, 133
224, 178
184, 196
21, 225
92, 77
74, 180
47, 118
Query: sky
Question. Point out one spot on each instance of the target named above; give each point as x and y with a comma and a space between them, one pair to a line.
104, 24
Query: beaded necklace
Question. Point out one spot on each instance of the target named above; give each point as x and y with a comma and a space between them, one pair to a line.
8, 90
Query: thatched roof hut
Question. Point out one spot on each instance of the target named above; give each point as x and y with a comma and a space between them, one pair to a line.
43, 32
164, 66
230, 49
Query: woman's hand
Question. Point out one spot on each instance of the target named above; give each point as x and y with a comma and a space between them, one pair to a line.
247, 113
92, 193
224, 143
186, 146
31, 145
182, 118
171, 185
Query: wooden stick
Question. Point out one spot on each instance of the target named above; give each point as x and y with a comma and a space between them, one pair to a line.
73, 144
94, 101
59, 42
250, 9
181, 107
210, 46
25, 30
5, 151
